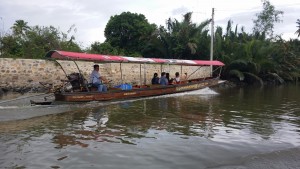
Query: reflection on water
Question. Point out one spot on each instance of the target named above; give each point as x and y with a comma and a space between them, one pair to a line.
193, 130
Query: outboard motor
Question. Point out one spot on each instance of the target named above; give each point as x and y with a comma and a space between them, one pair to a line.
77, 81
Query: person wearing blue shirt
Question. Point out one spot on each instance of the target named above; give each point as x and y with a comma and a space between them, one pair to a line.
163, 80
96, 79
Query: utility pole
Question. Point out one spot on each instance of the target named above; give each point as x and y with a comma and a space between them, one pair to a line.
1, 36
212, 40
1, 39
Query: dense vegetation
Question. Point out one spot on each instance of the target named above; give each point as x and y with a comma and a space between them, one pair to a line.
256, 57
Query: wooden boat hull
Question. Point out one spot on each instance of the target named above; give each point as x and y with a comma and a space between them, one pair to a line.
134, 93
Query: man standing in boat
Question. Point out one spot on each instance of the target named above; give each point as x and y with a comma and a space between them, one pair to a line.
97, 80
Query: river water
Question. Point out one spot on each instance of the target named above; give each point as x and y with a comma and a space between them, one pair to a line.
210, 128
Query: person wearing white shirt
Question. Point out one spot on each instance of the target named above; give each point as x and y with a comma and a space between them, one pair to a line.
177, 78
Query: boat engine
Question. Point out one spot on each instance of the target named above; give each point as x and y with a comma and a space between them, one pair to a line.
76, 82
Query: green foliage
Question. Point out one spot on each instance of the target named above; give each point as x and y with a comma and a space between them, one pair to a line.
286, 55
253, 78
129, 32
266, 19
35, 41
104, 48
255, 58
249, 57
276, 77
237, 73
20, 27
181, 40
11, 47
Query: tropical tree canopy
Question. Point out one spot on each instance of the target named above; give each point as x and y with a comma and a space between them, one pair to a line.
34, 41
104, 48
181, 39
266, 19
128, 31
20, 27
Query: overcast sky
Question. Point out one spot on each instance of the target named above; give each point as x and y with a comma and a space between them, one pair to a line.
91, 16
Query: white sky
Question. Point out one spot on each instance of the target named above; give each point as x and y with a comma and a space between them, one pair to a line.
91, 16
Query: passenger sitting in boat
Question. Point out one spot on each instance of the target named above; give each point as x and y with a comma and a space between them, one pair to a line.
163, 80
185, 76
168, 77
170, 81
97, 80
155, 79
177, 78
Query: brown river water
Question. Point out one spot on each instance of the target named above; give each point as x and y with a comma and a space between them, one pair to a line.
241, 128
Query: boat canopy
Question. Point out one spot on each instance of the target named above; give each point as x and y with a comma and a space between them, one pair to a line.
123, 59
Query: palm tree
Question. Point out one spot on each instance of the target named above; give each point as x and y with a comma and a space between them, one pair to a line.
244, 55
20, 27
180, 40
298, 31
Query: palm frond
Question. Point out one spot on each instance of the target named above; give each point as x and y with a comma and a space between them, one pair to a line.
253, 67
192, 47
254, 78
276, 77
237, 73
239, 64
298, 31
286, 76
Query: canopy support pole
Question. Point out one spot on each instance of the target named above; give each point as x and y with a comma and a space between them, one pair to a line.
81, 78
121, 72
61, 67
193, 73
140, 74
145, 73
180, 70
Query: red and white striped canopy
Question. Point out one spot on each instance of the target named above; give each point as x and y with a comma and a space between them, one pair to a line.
109, 58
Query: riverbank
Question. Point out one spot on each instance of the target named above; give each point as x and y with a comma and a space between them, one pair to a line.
23, 89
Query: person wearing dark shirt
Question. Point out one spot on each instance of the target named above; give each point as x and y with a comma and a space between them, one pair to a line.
155, 79
170, 80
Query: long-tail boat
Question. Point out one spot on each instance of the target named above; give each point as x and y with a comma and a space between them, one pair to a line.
85, 93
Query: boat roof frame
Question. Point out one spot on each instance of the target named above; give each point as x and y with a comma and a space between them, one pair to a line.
65, 55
